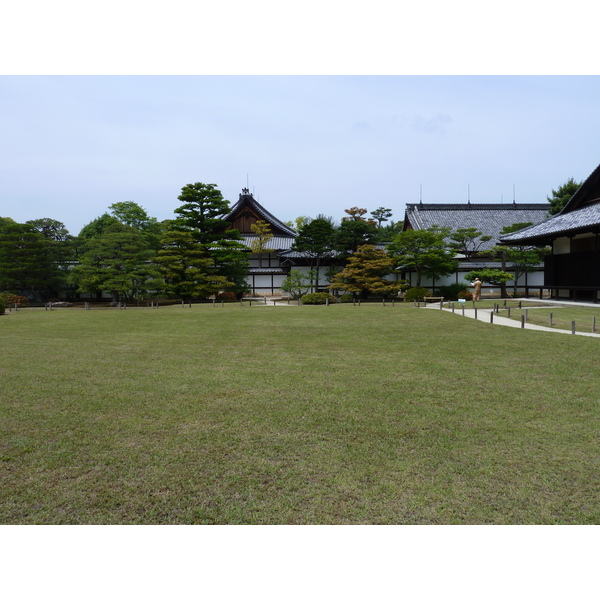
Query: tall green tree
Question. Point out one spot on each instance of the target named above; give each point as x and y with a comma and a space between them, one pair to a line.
202, 213
561, 195
423, 251
202, 210
381, 215
26, 267
118, 261
262, 230
467, 240
365, 273
134, 215
316, 240
187, 270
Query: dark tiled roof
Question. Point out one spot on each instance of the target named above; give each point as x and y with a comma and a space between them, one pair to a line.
247, 199
490, 219
573, 222
277, 242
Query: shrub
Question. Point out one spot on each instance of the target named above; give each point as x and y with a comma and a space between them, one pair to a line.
465, 295
416, 293
450, 292
227, 297
2, 305
318, 298
14, 299
345, 298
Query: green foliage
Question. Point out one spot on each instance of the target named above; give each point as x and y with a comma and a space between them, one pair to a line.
467, 240
318, 298
491, 276
452, 291
561, 196
296, 284
353, 233
316, 239
98, 226
464, 295
187, 270
117, 261
346, 298
365, 273
202, 211
262, 230
381, 215
416, 293
25, 261
423, 251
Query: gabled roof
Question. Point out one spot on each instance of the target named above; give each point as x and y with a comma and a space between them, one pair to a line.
587, 194
490, 219
580, 215
246, 211
583, 220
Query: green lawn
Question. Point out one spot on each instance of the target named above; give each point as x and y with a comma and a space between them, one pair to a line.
312, 414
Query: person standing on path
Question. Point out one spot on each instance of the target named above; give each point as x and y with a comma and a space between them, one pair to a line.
477, 289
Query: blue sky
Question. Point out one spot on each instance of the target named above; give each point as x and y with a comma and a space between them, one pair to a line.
73, 145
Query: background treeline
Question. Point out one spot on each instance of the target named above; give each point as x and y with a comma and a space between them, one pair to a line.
130, 255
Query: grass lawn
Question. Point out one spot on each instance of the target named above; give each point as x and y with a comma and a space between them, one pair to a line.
297, 415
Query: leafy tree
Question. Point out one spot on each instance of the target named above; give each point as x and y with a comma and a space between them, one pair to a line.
491, 276
381, 215
296, 284
423, 251
356, 214
202, 212
61, 248
97, 227
562, 195
262, 230
316, 239
118, 261
25, 263
354, 233
467, 240
187, 270
132, 214
365, 273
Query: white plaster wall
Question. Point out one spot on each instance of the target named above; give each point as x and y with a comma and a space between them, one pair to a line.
561, 246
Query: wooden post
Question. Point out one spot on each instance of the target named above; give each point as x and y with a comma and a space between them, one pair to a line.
463, 310
182, 303
573, 327
453, 308
550, 320
508, 312
383, 301
527, 314
492, 317
476, 314
522, 321
215, 301
593, 324
222, 304
326, 302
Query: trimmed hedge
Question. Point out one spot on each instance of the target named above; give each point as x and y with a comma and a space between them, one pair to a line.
416, 293
318, 298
